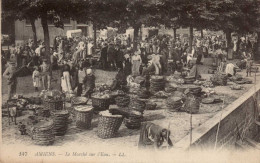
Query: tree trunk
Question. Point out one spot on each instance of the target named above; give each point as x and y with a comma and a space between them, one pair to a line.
201, 33
136, 31
46, 34
95, 34
32, 21
191, 36
228, 37
174, 33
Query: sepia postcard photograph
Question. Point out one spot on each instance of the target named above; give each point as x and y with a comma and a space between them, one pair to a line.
130, 81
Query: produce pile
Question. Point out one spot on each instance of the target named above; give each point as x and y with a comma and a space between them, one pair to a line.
219, 79
192, 104
174, 104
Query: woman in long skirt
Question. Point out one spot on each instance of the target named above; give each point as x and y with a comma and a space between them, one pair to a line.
136, 63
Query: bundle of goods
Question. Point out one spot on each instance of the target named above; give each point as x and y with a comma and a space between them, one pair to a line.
35, 100
212, 69
101, 101
42, 133
122, 101
197, 82
69, 96
43, 112
189, 80
236, 87
157, 84
133, 121
195, 90
52, 100
161, 94
210, 91
171, 87
137, 104
139, 80
244, 81
102, 88
108, 124
192, 104
219, 79
84, 115
60, 119
114, 94
254, 69
150, 106
174, 103
208, 84
210, 100
236, 78
143, 94
79, 101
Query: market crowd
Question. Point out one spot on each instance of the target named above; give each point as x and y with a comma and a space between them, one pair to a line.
77, 58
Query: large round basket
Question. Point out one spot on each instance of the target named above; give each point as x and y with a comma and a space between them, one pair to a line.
84, 115
60, 119
108, 125
53, 104
100, 104
42, 133
192, 105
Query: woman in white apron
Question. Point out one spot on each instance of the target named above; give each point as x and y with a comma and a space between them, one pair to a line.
136, 63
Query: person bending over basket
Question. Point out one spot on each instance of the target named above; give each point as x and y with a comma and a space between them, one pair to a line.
89, 83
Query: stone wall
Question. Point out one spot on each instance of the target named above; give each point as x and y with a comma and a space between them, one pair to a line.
235, 119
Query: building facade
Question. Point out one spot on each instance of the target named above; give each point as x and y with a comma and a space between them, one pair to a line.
23, 30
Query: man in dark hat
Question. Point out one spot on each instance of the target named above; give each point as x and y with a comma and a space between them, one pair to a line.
10, 74
103, 57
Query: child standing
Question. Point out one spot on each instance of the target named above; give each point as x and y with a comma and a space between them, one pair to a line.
36, 78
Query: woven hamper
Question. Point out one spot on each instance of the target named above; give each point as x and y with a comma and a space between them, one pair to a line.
192, 105
42, 133
84, 115
53, 104
100, 104
108, 125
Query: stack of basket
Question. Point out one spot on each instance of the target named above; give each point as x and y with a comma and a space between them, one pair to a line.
189, 80
137, 105
134, 120
195, 90
84, 115
157, 84
174, 104
60, 118
122, 101
42, 133
108, 124
219, 79
192, 104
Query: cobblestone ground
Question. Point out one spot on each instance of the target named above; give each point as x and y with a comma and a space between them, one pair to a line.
178, 123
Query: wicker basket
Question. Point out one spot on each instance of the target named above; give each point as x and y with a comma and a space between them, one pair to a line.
42, 133
84, 115
108, 125
100, 104
53, 104
192, 105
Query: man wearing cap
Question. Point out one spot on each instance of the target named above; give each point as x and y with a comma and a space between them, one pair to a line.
10, 74
89, 83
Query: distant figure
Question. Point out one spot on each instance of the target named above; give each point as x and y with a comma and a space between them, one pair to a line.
11, 79
36, 79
